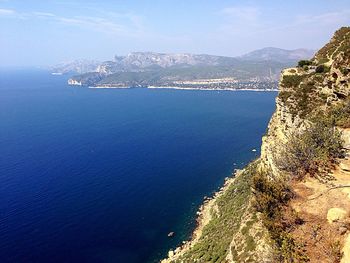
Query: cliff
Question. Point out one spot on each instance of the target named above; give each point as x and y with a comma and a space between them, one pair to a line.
305, 91
292, 204
315, 161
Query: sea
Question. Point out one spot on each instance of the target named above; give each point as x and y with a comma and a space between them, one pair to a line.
103, 175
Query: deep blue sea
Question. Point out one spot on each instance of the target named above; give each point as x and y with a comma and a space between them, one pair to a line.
98, 175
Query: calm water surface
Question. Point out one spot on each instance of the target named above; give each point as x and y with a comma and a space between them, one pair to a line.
103, 175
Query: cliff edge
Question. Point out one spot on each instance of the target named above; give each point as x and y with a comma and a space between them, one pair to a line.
293, 203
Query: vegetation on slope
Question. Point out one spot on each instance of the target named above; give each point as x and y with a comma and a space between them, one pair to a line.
313, 151
271, 199
233, 214
339, 43
315, 86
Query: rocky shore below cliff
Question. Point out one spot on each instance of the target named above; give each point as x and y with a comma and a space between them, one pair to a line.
204, 216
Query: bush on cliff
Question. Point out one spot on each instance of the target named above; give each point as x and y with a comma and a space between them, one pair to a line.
321, 69
271, 199
290, 81
270, 194
313, 151
340, 114
303, 63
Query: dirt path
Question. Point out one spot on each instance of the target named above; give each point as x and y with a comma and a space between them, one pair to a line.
325, 209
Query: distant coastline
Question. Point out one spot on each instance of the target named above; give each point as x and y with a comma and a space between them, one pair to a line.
108, 87
212, 89
185, 88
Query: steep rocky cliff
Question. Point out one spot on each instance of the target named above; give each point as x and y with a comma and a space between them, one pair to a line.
268, 213
305, 92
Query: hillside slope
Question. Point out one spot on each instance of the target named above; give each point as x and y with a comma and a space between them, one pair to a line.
278, 54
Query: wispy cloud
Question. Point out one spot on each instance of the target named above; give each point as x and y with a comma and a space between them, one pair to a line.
96, 23
6, 12
240, 20
319, 23
248, 21
330, 18
111, 23
43, 14
242, 13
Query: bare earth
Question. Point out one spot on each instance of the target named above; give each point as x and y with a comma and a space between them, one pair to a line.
325, 209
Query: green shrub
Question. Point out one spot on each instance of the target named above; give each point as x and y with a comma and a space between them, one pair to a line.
284, 95
305, 67
321, 69
271, 198
304, 99
290, 81
339, 115
307, 152
303, 63
270, 195
345, 71
323, 60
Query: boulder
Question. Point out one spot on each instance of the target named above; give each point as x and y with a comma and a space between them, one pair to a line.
335, 214
170, 253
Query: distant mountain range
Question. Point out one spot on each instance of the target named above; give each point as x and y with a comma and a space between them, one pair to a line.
161, 69
76, 66
278, 54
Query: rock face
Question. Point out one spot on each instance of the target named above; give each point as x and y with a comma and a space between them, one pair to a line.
335, 214
77, 66
327, 88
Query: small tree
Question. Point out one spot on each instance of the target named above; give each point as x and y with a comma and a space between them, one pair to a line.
303, 63
321, 69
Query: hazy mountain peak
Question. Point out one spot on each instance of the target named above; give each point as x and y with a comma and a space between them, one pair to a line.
279, 54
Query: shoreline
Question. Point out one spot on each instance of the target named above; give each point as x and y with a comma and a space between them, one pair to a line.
210, 89
182, 88
203, 217
108, 87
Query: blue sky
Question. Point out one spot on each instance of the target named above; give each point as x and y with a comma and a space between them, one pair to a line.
48, 32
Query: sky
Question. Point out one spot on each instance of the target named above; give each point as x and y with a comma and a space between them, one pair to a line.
46, 32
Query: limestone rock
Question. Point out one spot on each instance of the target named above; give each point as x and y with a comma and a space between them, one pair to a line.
335, 214
170, 253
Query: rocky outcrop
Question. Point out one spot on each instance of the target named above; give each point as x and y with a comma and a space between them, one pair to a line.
281, 126
74, 82
328, 80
